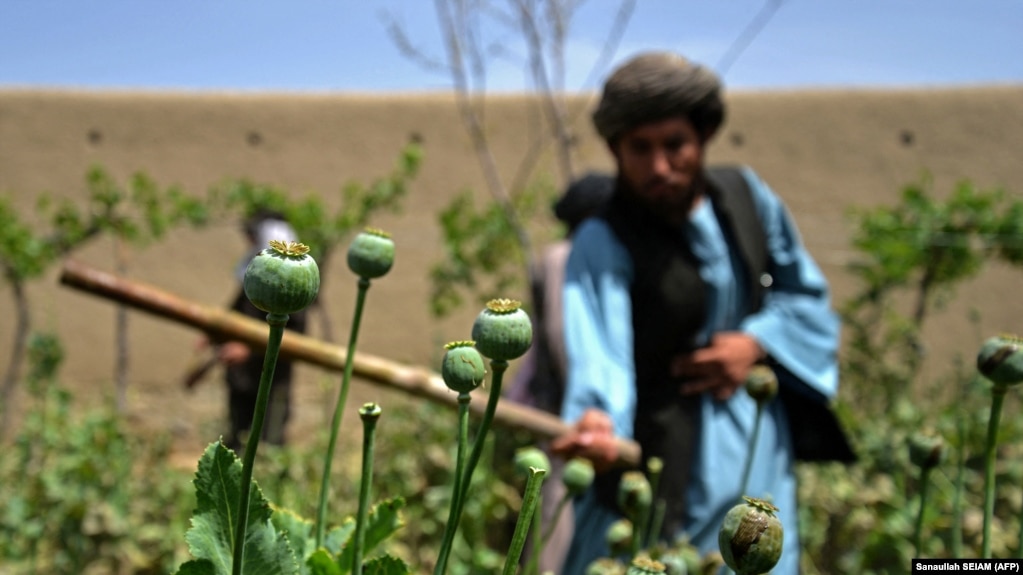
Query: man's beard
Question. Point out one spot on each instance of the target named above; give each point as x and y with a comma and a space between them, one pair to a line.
673, 203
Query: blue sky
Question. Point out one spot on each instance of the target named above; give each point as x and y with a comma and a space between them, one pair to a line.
343, 45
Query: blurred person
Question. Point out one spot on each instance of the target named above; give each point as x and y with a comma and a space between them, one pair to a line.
243, 366
690, 277
540, 381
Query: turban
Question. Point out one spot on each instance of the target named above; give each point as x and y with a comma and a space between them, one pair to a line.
654, 86
262, 227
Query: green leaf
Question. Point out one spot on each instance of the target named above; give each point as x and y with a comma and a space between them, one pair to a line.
297, 530
383, 521
197, 567
338, 537
484, 254
321, 563
385, 565
218, 489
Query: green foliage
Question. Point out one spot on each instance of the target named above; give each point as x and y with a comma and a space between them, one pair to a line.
302, 539
860, 518
920, 249
310, 216
876, 500
924, 238
30, 246
45, 354
80, 492
386, 565
210, 539
23, 254
383, 522
277, 540
139, 212
478, 243
416, 458
484, 255
298, 531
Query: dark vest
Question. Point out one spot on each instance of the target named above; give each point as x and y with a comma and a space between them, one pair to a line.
668, 311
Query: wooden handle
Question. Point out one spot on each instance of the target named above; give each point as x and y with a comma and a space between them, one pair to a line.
224, 324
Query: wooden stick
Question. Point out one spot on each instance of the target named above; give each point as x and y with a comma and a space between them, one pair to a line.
222, 324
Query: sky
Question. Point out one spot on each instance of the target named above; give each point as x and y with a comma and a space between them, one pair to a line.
344, 45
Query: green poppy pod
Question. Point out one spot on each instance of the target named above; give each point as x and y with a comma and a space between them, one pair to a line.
531, 457
502, 331
751, 537
577, 475
462, 368
681, 558
634, 494
282, 279
926, 450
654, 466
1001, 360
371, 254
674, 564
370, 411
762, 384
645, 566
605, 566
619, 537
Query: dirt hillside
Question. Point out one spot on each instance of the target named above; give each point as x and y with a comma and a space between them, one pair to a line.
823, 152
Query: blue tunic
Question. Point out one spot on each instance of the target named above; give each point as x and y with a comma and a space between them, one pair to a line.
795, 325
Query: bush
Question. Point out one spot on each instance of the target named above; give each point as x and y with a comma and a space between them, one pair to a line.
80, 493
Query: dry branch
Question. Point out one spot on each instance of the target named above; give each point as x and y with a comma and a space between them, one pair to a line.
222, 324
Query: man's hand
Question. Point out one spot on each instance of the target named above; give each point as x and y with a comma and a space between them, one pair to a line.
233, 353
592, 437
719, 368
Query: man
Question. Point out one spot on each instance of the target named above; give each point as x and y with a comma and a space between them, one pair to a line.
687, 281
243, 366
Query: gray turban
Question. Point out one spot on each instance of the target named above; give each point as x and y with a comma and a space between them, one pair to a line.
654, 86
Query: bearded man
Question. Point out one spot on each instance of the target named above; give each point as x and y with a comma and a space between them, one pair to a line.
690, 277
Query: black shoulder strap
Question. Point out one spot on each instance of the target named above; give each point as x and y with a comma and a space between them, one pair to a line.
817, 434
733, 202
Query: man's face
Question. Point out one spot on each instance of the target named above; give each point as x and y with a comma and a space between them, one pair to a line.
662, 163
